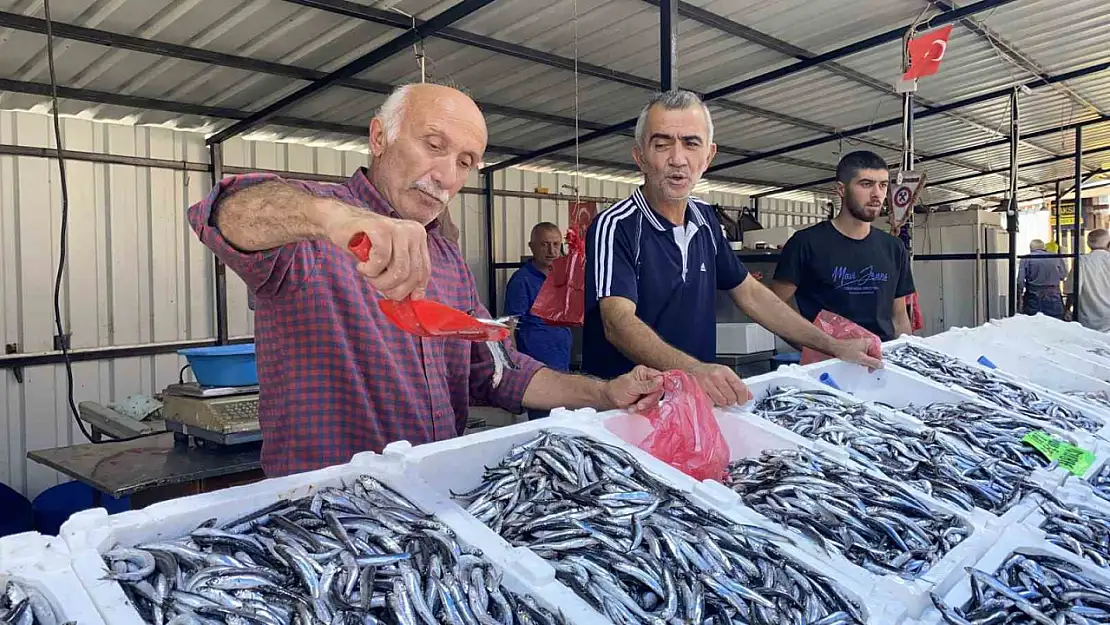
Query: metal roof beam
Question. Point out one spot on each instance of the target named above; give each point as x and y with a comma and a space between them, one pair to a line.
186, 53
213, 112
1006, 172
894, 121
1017, 57
1097, 172
757, 37
853, 48
355, 67
957, 152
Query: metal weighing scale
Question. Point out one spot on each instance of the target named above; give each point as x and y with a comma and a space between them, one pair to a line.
211, 415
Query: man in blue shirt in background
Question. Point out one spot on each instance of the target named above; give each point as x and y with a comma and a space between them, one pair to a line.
534, 337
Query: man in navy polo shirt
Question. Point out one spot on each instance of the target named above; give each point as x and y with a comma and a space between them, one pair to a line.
534, 337
655, 261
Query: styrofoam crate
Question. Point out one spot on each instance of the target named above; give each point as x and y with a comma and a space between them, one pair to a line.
1076, 497
748, 436
1023, 539
1102, 463
1101, 416
896, 388
1016, 366
44, 564
1042, 324
1039, 349
93, 532
458, 465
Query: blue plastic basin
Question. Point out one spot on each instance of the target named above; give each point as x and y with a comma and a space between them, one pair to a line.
17, 516
55, 505
223, 365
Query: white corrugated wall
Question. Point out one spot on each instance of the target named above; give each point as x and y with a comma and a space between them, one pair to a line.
136, 274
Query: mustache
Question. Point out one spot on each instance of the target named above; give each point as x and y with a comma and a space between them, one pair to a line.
430, 188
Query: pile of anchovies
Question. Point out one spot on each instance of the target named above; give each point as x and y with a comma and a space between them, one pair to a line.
874, 522
986, 385
982, 427
1085, 532
938, 465
1100, 482
1031, 588
1091, 397
637, 550
359, 554
23, 604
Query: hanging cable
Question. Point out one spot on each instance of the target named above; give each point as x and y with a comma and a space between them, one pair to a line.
62, 236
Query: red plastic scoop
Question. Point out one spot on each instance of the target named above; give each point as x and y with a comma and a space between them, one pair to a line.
431, 319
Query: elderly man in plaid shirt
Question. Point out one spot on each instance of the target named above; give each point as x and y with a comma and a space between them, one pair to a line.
336, 376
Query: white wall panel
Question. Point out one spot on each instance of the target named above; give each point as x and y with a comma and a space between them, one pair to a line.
136, 274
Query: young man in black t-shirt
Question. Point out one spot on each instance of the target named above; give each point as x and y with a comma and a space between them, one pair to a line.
845, 266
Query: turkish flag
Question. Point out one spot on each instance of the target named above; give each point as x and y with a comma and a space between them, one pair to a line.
926, 53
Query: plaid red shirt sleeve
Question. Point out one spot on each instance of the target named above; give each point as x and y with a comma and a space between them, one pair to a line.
266, 273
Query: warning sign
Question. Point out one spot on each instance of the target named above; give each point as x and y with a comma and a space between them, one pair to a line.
902, 194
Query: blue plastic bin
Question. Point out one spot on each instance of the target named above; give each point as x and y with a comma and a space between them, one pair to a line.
223, 365
55, 505
16, 516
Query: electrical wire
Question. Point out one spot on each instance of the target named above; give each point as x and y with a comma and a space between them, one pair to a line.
62, 241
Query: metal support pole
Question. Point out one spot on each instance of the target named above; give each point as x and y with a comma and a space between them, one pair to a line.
216, 152
1056, 210
1077, 243
668, 44
491, 270
1011, 208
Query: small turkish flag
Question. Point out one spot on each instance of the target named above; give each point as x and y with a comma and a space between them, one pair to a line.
926, 53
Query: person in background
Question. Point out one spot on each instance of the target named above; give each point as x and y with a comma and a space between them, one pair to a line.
844, 265
1039, 282
534, 337
336, 377
1094, 283
655, 261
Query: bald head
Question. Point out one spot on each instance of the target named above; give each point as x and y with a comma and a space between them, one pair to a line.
1098, 239
425, 140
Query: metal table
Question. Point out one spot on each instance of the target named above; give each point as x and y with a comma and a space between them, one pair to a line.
154, 469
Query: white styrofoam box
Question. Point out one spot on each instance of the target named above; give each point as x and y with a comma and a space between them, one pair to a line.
1102, 463
1038, 350
1023, 540
44, 564
744, 338
458, 465
1016, 366
1041, 324
1099, 415
748, 436
93, 532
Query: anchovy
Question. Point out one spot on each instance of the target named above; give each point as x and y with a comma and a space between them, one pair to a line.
501, 361
639, 551
988, 386
931, 461
873, 522
1091, 397
361, 554
1100, 482
24, 604
1085, 531
1030, 588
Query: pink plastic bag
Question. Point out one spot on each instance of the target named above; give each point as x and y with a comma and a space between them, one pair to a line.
685, 433
840, 328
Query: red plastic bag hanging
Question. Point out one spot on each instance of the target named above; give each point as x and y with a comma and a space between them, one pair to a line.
917, 320
840, 328
562, 298
685, 433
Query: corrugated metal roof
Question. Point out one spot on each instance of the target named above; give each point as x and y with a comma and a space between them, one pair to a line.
619, 36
